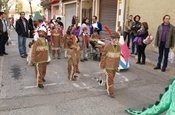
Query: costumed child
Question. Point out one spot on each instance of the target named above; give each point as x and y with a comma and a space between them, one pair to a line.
110, 62
42, 24
72, 61
84, 44
56, 41
66, 38
39, 56
77, 51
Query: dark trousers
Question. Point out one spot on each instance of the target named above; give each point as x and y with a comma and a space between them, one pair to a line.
141, 53
3, 40
163, 52
134, 46
127, 35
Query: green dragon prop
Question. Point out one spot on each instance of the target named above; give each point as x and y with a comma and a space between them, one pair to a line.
166, 103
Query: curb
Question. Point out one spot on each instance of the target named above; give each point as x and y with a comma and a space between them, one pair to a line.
170, 69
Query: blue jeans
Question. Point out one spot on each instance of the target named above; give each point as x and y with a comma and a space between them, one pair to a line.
163, 52
22, 44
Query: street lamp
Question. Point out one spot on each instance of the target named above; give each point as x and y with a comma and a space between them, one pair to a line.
30, 6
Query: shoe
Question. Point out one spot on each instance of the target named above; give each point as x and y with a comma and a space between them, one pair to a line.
1, 54
138, 63
82, 60
26, 55
77, 71
135, 53
157, 68
163, 69
5, 53
143, 63
59, 58
40, 85
44, 80
111, 96
85, 59
132, 53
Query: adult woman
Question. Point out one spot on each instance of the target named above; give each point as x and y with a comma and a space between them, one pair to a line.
142, 33
134, 28
85, 24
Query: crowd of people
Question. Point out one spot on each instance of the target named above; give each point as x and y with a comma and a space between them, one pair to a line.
137, 32
49, 36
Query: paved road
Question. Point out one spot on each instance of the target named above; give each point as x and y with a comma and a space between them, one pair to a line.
137, 87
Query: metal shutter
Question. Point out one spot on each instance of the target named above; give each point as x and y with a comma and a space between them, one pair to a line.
108, 12
70, 12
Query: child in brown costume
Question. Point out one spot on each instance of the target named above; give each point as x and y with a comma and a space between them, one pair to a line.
72, 61
77, 51
66, 38
39, 57
56, 41
110, 62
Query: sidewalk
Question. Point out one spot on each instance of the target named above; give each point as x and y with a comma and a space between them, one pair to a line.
151, 59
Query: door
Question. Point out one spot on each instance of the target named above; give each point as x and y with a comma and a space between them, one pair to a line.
70, 11
108, 13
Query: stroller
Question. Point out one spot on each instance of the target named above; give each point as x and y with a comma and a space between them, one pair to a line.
93, 50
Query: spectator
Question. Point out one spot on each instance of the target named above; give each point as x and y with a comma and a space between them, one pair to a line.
31, 25
22, 28
165, 38
142, 33
85, 24
3, 34
96, 24
134, 28
75, 30
127, 29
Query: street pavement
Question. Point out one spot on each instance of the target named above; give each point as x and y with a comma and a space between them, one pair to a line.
136, 87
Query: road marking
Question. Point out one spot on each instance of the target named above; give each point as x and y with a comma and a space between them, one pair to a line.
30, 87
84, 84
118, 73
86, 75
126, 79
76, 85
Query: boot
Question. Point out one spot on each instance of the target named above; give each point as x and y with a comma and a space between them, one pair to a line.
58, 52
77, 69
143, 60
40, 85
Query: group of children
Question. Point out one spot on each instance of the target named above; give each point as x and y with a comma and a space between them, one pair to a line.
75, 50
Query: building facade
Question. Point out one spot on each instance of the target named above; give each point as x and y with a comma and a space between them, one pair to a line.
151, 11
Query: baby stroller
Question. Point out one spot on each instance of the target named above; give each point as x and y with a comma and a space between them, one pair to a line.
93, 50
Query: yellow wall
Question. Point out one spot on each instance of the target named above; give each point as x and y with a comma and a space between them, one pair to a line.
152, 11
87, 4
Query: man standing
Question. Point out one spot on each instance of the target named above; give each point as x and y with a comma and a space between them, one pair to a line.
127, 29
3, 34
22, 28
165, 38
96, 25
31, 25
110, 62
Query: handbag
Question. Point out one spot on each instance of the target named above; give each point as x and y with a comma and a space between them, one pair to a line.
171, 56
138, 40
148, 39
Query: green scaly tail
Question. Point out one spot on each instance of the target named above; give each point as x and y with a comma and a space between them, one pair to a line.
166, 103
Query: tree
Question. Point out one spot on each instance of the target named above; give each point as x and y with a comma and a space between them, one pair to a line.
5, 5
